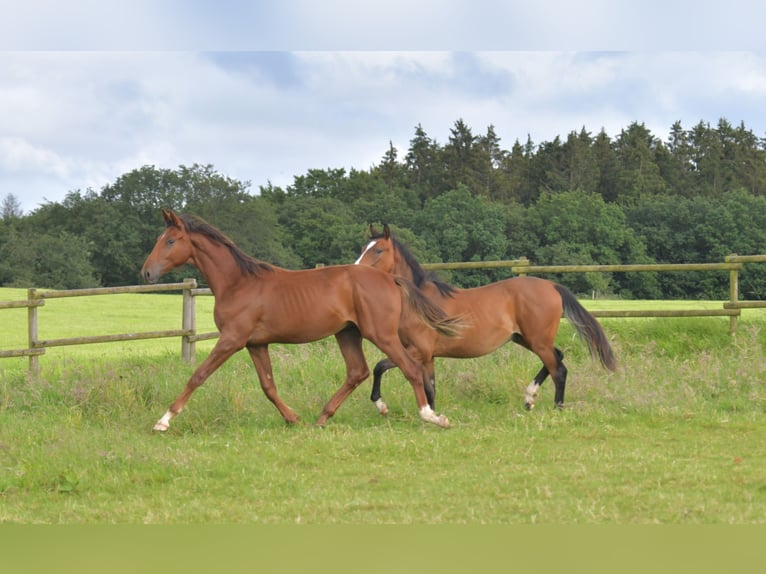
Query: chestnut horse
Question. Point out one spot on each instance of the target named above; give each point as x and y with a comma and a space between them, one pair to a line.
257, 304
525, 310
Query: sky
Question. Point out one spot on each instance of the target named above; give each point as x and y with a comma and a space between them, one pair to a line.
265, 91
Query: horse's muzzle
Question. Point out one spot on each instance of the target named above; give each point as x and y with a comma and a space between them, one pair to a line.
150, 274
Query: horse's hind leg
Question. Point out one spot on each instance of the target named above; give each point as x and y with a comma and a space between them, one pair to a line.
552, 359
377, 376
534, 388
552, 364
559, 375
350, 343
260, 356
560, 379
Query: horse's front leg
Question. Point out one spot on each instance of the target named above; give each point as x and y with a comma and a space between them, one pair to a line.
223, 349
260, 356
417, 374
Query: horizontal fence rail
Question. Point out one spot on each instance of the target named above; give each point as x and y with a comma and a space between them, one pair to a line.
36, 298
733, 264
515, 265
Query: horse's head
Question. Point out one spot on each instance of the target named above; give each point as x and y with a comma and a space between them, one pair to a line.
173, 248
379, 252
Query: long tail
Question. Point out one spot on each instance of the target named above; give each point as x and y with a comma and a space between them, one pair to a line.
431, 314
588, 328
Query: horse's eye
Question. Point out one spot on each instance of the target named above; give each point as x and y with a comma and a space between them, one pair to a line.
170, 242
378, 251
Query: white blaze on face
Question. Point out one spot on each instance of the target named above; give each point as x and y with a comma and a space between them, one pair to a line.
366, 249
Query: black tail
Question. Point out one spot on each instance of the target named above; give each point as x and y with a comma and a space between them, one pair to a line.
588, 328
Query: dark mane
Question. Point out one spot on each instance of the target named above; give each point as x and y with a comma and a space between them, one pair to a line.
419, 275
248, 265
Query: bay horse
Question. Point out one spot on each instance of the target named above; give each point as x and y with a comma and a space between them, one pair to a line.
525, 310
257, 303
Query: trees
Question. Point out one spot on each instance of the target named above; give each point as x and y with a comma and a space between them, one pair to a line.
120, 224
517, 175
320, 230
461, 159
462, 227
580, 228
53, 261
635, 148
580, 166
703, 230
10, 208
697, 196
493, 156
422, 167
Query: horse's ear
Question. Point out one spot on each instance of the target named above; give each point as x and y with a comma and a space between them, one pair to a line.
171, 219
386, 231
373, 231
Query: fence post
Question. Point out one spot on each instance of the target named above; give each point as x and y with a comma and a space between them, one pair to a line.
34, 363
189, 322
733, 298
524, 262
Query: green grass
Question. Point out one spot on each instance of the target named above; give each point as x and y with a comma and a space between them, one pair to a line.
675, 436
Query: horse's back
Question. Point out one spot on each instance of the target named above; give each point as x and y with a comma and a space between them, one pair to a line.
364, 293
533, 299
304, 305
514, 295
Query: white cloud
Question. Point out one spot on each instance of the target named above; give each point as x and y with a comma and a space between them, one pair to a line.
18, 157
73, 120
582, 25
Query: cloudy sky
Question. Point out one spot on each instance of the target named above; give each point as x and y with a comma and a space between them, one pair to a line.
264, 91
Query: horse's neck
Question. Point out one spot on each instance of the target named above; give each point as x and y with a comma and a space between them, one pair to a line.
216, 263
402, 269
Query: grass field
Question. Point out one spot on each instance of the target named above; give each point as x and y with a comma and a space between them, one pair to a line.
676, 436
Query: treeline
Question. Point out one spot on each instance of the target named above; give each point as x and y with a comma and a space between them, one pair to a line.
697, 196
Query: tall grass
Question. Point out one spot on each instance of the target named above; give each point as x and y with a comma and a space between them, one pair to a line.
675, 436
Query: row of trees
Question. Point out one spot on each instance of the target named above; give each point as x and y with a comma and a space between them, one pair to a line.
696, 197
702, 161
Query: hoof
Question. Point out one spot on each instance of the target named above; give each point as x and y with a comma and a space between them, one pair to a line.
443, 422
382, 407
164, 423
529, 406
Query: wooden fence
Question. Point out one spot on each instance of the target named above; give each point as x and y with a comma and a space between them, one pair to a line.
36, 299
731, 308
36, 347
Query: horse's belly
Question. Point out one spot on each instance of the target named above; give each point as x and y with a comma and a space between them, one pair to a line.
473, 343
304, 335
296, 331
